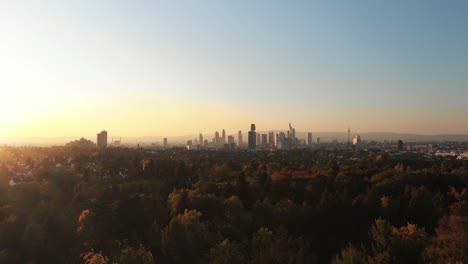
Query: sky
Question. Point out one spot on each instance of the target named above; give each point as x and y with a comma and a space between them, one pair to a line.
159, 68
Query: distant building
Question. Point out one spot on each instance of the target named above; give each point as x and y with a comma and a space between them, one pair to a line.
239, 138
292, 135
281, 144
309, 139
165, 142
231, 140
259, 139
102, 139
409, 147
400, 145
217, 139
317, 140
252, 137
200, 139
264, 139
271, 139
223, 136
357, 140
82, 143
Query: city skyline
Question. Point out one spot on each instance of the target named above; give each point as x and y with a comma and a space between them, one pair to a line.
71, 68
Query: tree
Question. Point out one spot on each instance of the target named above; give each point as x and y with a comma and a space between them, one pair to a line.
226, 252
185, 233
408, 243
94, 258
178, 201
450, 244
379, 235
134, 255
350, 255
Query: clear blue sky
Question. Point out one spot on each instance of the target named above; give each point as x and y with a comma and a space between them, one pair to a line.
179, 67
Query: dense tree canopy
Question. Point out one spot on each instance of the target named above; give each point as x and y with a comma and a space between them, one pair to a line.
119, 205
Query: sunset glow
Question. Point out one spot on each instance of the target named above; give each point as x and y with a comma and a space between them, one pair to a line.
153, 69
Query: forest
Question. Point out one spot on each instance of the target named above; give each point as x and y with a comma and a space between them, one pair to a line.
124, 205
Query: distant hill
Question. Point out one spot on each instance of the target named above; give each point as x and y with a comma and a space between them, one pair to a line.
381, 136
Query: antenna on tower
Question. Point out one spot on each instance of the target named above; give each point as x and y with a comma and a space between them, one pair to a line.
349, 131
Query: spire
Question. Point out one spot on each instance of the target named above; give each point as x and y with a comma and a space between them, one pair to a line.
349, 131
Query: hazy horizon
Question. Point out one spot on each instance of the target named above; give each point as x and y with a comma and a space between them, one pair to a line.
172, 67
325, 137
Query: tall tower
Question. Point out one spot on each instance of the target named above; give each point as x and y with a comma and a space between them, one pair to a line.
292, 134
252, 137
200, 139
349, 135
217, 137
223, 136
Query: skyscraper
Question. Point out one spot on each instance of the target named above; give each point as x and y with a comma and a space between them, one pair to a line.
217, 140
309, 139
281, 141
239, 138
200, 139
252, 137
102, 139
223, 136
165, 142
292, 134
357, 140
271, 139
259, 139
264, 139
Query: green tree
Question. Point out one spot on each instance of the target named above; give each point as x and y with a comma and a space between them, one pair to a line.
226, 252
350, 255
185, 233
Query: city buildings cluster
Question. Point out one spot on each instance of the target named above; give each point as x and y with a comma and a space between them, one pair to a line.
255, 140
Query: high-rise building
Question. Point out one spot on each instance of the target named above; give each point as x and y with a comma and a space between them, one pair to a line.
231, 140
200, 139
165, 142
309, 139
259, 139
264, 139
271, 139
252, 137
217, 140
102, 139
239, 138
223, 136
292, 134
281, 144
357, 140
317, 140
